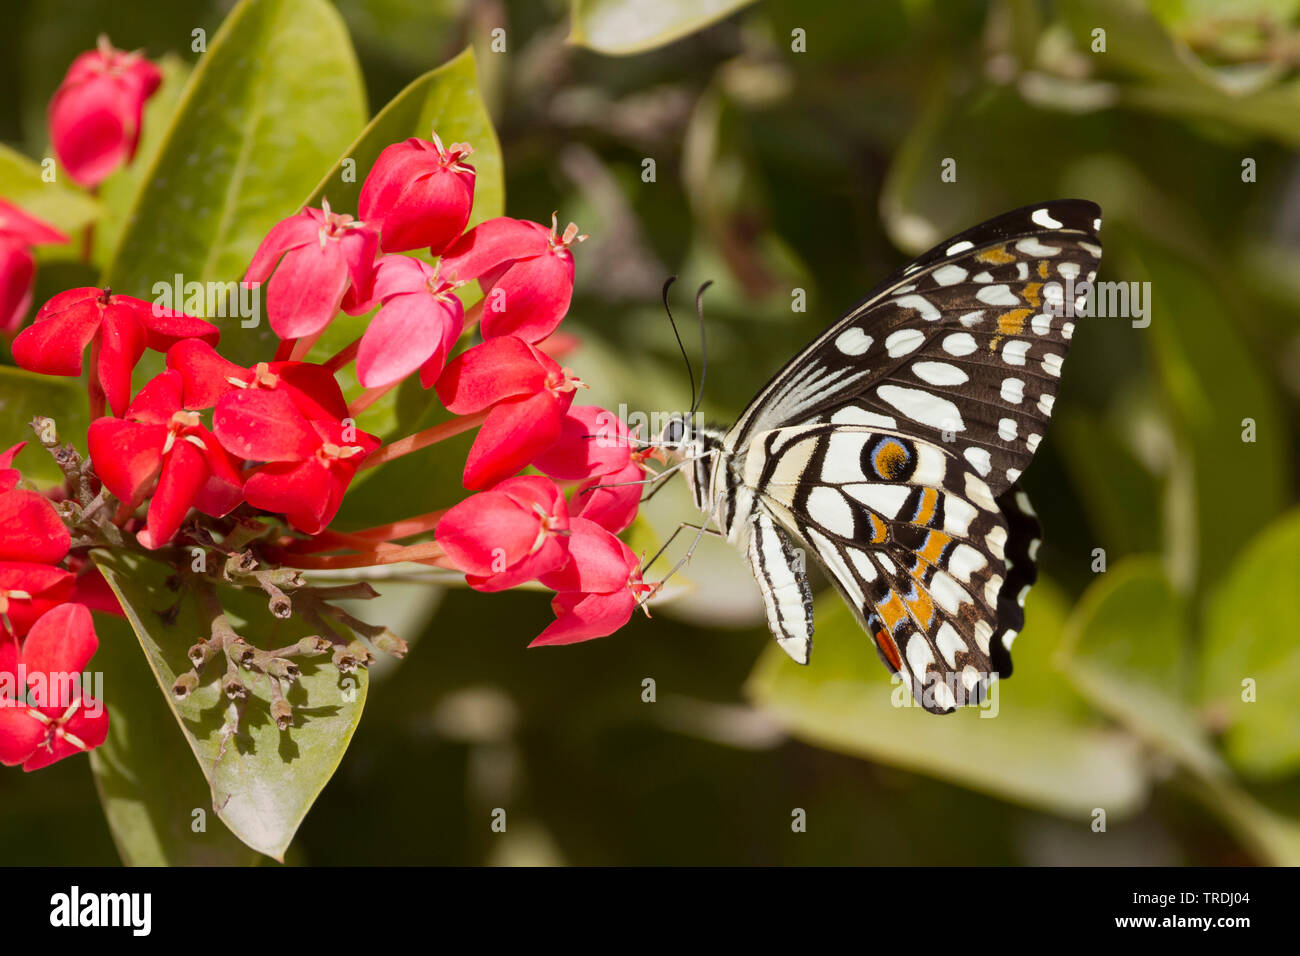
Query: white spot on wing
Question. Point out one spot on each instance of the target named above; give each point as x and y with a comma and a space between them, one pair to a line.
959, 343
1043, 218
904, 341
853, 341
923, 407
939, 373
999, 294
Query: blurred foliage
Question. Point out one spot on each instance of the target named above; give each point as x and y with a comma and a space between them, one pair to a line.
819, 170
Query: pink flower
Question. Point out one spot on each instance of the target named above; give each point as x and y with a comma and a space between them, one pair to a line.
120, 327
418, 194
528, 394
416, 327
96, 112
525, 270
598, 588
159, 441
508, 535
18, 233
318, 256
38, 724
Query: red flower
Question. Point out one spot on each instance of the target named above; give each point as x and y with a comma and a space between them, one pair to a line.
525, 270
508, 535
318, 256
30, 528
309, 471
599, 587
28, 590
9, 475
416, 327
45, 715
18, 233
592, 441
528, 394
418, 194
159, 441
120, 328
208, 377
96, 111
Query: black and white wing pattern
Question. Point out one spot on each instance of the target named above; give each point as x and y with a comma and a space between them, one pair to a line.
890, 448
963, 346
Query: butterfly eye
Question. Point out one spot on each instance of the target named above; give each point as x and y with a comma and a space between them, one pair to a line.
674, 432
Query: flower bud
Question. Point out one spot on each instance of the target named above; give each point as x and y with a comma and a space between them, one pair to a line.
282, 713
418, 193
96, 112
185, 685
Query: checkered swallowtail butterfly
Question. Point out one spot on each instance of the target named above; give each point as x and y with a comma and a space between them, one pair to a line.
891, 446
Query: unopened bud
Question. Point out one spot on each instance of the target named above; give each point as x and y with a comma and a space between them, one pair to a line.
312, 645
240, 651
283, 669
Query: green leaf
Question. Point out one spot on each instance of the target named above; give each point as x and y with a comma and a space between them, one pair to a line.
146, 778
1252, 621
23, 396
1043, 747
448, 100
1127, 649
274, 101
618, 27
68, 209
262, 781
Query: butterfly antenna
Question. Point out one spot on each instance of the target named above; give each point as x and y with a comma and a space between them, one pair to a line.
704, 351
668, 283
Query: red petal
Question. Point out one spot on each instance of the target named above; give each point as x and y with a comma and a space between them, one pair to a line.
166, 327
126, 456
306, 290
582, 617
408, 331
121, 344
263, 425
612, 500
23, 226
304, 492
287, 234
184, 473
17, 276
313, 389
62, 641
204, 374
592, 441
30, 529
512, 435
487, 533
489, 373
48, 587
90, 129
490, 244
53, 344
598, 561
20, 735
90, 730
530, 298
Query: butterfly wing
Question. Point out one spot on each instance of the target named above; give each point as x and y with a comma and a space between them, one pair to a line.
933, 565
964, 344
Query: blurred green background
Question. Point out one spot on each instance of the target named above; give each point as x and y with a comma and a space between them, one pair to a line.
776, 169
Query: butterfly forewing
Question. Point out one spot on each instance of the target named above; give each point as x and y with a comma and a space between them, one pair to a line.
964, 345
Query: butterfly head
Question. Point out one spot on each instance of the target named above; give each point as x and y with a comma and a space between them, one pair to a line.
696, 450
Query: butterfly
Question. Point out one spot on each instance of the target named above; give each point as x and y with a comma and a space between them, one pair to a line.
890, 449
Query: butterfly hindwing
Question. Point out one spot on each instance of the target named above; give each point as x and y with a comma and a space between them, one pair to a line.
964, 344
912, 538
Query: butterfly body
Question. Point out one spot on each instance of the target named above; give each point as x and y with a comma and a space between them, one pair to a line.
890, 449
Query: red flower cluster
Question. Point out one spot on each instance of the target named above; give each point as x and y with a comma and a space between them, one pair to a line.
279, 437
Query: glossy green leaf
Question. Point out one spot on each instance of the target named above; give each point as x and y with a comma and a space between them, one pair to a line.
63, 206
1128, 650
273, 102
1252, 623
263, 781
158, 805
23, 396
449, 101
620, 27
1040, 745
